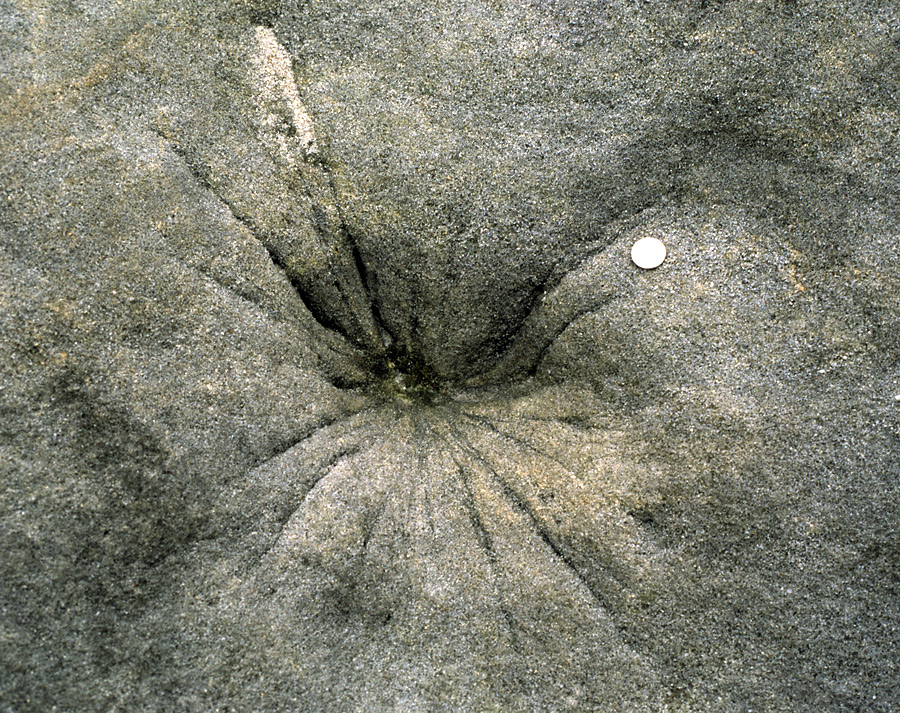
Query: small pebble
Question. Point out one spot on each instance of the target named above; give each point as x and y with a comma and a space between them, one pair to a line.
648, 253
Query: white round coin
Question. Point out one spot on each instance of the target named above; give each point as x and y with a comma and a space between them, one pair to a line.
648, 253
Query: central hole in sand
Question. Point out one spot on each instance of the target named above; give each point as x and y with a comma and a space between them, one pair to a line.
402, 375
